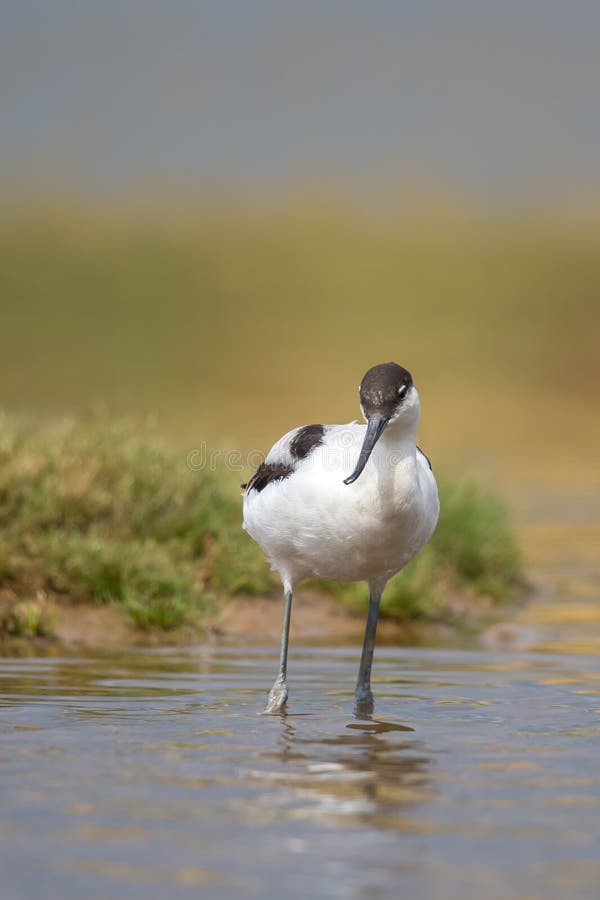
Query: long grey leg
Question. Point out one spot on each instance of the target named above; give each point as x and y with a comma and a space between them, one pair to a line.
364, 696
279, 693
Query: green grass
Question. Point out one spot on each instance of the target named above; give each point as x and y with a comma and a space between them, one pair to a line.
31, 618
100, 513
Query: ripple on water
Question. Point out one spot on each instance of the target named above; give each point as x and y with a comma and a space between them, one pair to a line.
149, 772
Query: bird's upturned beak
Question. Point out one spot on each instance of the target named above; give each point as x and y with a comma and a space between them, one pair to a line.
375, 426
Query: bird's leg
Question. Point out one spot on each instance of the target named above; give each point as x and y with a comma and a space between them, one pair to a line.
279, 693
364, 696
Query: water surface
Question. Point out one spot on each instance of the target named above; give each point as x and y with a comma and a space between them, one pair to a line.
151, 774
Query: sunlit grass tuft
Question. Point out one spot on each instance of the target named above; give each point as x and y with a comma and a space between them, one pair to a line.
98, 512
32, 618
93, 513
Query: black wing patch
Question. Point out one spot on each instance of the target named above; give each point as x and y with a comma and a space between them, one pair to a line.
266, 473
426, 458
305, 440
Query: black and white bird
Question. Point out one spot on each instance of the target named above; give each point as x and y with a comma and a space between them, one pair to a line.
346, 503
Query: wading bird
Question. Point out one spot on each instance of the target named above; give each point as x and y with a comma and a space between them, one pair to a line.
314, 520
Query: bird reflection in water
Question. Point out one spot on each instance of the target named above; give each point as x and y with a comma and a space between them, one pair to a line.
371, 772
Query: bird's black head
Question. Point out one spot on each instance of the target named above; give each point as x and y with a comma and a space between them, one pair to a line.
383, 389
383, 397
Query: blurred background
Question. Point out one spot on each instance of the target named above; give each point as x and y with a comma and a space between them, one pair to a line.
223, 213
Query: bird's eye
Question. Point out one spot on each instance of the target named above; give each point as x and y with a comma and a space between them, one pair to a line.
402, 391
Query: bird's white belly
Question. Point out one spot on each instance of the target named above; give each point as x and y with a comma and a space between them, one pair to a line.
322, 528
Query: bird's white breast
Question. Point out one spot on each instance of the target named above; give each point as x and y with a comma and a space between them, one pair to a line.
311, 524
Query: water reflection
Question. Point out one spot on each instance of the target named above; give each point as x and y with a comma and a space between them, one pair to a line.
366, 773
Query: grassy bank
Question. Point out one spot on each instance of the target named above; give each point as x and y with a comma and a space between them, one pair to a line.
96, 514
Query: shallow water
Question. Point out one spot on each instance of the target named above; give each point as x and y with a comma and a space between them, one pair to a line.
151, 774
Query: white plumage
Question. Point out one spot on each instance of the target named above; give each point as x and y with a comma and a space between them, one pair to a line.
311, 522
312, 525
